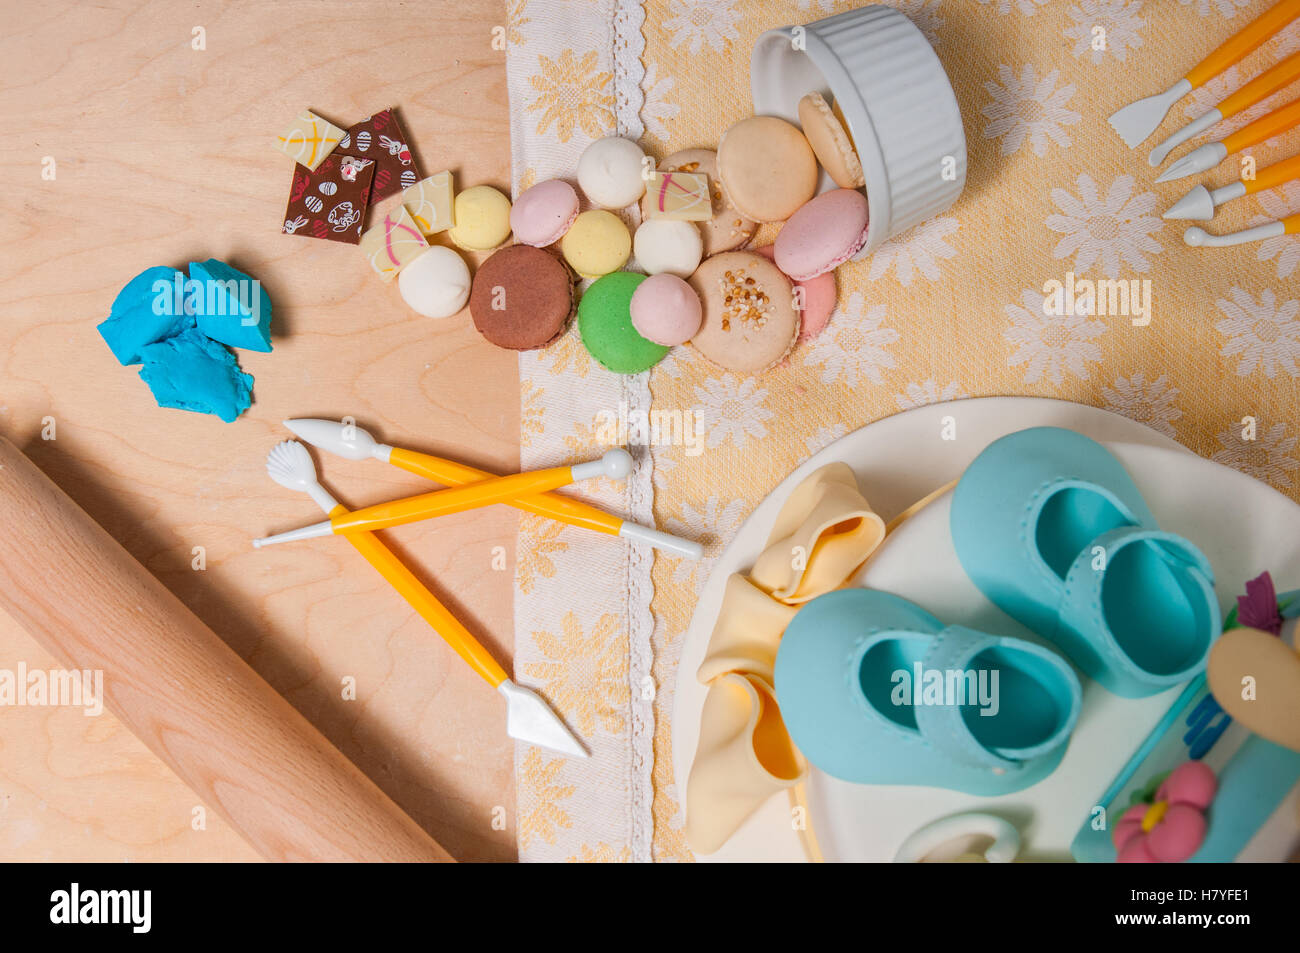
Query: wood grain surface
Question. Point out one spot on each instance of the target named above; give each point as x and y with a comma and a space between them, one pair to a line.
163, 154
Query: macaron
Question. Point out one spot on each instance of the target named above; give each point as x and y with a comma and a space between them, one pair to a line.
815, 299
611, 171
728, 229
482, 219
542, 214
822, 235
522, 298
666, 310
767, 168
750, 320
667, 245
830, 141
605, 325
597, 243
436, 284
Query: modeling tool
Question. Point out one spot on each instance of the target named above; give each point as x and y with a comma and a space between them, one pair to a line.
528, 717
615, 464
1212, 153
354, 443
1138, 120
1200, 238
1257, 90
1199, 204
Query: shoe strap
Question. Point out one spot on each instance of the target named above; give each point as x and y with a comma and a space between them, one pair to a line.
942, 725
1081, 604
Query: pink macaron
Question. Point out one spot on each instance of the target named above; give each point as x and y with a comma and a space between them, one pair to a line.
542, 214
666, 310
819, 298
824, 234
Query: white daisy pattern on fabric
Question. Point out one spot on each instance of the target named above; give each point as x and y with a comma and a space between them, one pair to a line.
854, 346
1147, 402
824, 437
712, 527
1108, 230
657, 109
1279, 203
732, 408
1225, 8
1264, 334
1114, 22
918, 251
702, 24
928, 392
1026, 7
1052, 345
1267, 457
1026, 108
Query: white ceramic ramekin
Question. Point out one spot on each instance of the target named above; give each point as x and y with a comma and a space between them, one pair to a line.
893, 93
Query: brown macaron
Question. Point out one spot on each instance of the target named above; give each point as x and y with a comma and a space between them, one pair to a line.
522, 298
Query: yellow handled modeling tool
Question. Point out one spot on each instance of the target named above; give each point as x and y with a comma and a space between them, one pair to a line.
1212, 153
528, 717
1199, 237
1199, 204
615, 464
1138, 120
1257, 90
350, 441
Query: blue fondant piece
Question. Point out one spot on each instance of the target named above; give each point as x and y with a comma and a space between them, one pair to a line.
1254, 780
149, 309
230, 306
844, 681
1053, 530
191, 372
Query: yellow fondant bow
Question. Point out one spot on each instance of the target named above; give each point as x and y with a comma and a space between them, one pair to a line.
824, 533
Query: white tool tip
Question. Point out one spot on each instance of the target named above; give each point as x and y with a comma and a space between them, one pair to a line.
618, 464
1197, 205
1195, 236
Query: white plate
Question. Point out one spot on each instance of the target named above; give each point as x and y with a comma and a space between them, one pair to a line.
1242, 525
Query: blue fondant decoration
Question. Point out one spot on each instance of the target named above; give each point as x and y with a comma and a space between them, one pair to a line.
875, 690
191, 372
147, 310
230, 306
1051, 528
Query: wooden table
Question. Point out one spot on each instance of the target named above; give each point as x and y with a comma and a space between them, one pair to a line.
162, 151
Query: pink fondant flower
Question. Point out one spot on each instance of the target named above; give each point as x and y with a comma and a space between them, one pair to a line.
1171, 828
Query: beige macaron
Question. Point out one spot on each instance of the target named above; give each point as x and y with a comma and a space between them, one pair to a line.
767, 168
750, 320
831, 142
728, 229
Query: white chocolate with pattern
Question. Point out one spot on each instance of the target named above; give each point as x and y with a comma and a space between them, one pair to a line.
309, 139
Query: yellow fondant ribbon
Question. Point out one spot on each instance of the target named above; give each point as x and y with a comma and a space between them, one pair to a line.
824, 533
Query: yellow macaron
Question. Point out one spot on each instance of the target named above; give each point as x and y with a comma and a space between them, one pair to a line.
482, 219
596, 244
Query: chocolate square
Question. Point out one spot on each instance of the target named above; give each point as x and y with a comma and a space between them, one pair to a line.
330, 202
380, 137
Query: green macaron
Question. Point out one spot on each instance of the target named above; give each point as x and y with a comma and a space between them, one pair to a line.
605, 324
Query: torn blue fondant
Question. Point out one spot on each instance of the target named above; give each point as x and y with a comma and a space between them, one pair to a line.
191, 372
149, 309
230, 306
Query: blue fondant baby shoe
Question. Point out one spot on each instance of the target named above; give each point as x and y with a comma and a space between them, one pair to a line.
874, 689
1051, 528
